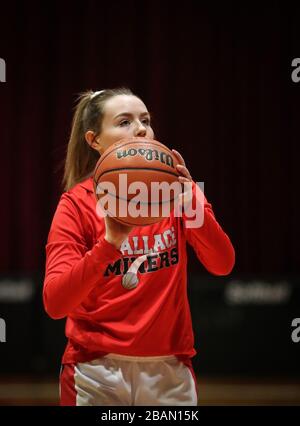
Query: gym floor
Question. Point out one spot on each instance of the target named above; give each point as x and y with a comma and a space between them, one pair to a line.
212, 391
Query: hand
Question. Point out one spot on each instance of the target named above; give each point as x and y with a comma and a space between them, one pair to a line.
185, 178
181, 168
116, 232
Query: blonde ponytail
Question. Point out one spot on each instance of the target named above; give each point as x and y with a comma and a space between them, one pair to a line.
81, 159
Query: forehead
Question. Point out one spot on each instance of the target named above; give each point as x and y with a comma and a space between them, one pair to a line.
123, 103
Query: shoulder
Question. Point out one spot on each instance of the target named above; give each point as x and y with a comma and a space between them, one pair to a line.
82, 189
73, 215
77, 207
79, 198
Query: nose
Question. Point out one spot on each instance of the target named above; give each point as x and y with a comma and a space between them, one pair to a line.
140, 129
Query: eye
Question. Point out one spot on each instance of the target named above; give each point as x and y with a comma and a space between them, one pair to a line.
124, 123
146, 121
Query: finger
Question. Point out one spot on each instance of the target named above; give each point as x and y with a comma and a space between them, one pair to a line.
179, 157
183, 202
187, 198
179, 203
184, 171
183, 179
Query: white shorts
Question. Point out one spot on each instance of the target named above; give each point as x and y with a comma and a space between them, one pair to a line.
119, 380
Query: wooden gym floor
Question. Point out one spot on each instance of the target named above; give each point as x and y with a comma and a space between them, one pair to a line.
212, 391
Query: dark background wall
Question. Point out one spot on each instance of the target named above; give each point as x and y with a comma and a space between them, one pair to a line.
217, 79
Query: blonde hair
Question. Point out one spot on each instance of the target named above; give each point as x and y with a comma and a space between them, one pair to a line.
81, 159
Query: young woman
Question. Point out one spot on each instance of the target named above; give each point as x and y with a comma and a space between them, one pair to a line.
125, 347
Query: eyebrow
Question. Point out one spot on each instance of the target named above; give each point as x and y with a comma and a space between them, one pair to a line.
129, 114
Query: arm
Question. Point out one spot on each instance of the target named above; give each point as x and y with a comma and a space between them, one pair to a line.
72, 270
211, 244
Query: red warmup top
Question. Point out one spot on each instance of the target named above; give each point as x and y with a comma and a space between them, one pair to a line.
84, 273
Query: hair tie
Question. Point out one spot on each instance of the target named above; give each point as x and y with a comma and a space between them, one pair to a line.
97, 93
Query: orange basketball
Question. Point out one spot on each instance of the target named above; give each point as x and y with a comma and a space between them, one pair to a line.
136, 181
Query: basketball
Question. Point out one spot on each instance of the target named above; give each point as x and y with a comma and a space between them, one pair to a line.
136, 181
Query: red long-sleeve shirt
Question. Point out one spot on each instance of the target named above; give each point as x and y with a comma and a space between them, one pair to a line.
84, 273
